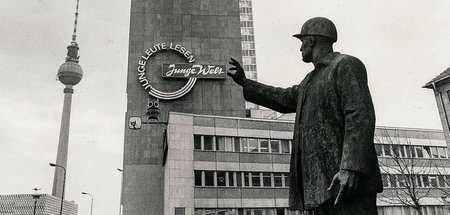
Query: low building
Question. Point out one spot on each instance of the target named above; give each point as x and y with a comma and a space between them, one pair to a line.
240, 166
35, 204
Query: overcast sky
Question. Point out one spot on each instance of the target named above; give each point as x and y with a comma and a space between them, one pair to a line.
403, 43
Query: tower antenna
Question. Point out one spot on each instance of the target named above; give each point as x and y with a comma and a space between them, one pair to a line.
74, 35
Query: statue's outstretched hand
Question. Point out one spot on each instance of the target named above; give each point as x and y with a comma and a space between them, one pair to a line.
239, 75
348, 180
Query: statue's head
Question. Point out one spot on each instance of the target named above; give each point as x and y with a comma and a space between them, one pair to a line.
318, 26
318, 31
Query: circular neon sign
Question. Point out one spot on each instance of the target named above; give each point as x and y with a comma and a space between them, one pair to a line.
146, 84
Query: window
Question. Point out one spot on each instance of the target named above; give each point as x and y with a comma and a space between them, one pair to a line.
419, 151
280, 211
277, 180
384, 179
411, 151
418, 181
209, 178
198, 178
285, 146
433, 181
447, 180
231, 179
427, 152
179, 211
222, 212
238, 179
257, 211
197, 142
286, 179
221, 181
275, 146
401, 180
244, 144
237, 145
210, 211
426, 181
246, 179
379, 149
442, 152
198, 212
220, 143
264, 145
434, 152
252, 145
256, 179
208, 142
441, 181
387, 150
393, 180
229, 145
267, 179
398, 151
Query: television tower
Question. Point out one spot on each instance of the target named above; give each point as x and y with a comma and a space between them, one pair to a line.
69, 74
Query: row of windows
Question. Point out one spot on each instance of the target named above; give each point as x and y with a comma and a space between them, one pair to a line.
251, 75
247, 38
241, 144
204, 178
245, 3
246, 17
408, 151
248, 52
248, 45
250, 67
247, 31
397, 180
245, 211
247, 24
245, 10
248, 60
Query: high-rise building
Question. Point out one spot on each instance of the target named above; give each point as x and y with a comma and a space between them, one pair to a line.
178, 59
248, 44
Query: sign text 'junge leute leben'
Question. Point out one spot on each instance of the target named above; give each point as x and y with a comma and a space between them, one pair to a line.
190, 71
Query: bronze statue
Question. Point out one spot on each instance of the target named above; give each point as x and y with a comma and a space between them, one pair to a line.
334, 127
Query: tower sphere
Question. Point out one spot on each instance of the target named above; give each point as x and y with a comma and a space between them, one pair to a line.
70, 73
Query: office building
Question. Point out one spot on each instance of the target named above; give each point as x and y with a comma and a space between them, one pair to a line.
38, 204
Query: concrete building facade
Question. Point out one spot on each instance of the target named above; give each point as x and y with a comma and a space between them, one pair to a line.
220, 165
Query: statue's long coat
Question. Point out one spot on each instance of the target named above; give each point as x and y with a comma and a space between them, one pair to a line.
334, 128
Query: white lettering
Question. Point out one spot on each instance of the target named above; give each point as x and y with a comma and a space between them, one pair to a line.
190, 58
141, 62
141, 69
142, 76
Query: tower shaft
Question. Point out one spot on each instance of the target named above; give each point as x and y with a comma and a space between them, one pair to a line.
61, 158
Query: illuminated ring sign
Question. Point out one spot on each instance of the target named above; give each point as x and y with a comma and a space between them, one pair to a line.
191, 71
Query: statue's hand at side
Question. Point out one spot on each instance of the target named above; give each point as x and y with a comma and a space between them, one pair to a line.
239, 75
349, 182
